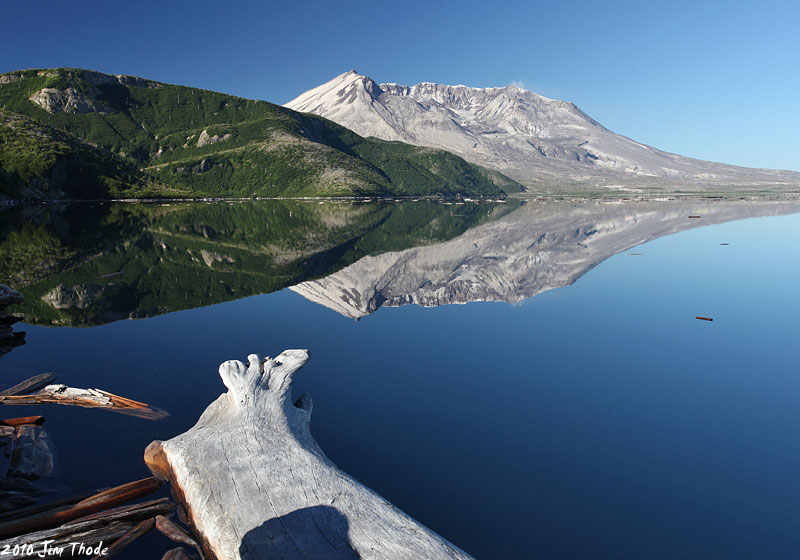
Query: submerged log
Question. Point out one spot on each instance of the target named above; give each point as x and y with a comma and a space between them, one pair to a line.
173, 531
30, 385
28, 511
134, 533
100, 530
16, 493
254, 484
98, 502
34, 453
87, 398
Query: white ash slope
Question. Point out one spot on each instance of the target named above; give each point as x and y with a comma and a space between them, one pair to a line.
536, 248
530, 138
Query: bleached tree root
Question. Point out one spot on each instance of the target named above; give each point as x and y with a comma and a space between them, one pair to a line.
254, 484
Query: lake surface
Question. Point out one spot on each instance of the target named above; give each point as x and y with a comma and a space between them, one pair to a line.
570, 407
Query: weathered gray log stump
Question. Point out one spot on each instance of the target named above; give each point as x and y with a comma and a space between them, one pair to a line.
254, 484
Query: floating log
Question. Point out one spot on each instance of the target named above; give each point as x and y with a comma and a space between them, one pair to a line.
254, 484
174, 532
704, 318
16, 493
131, 512
134, 533
30, 385
123, 493
33, 546
28, 511
102, 530
87, 398
695, 216
98, 502
11, 503
23, 421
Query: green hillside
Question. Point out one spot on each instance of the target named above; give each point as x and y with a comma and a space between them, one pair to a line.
90, 135
43, 162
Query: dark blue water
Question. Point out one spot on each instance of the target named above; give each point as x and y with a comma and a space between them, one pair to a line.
599, 420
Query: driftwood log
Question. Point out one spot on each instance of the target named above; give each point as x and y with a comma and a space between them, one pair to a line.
134, 533
254, 484
22, 421
87, 398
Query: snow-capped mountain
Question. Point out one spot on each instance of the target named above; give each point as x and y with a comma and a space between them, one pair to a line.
530, 138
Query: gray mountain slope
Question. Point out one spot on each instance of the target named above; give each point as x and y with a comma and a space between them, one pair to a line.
533, 139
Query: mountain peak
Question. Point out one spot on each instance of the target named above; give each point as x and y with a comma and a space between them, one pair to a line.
522, 134
343, 89
349, 75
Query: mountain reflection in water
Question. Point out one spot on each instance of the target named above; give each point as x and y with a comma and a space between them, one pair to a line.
536, 248
88, 264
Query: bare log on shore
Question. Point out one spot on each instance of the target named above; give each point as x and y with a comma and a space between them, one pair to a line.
88, 398
254, 484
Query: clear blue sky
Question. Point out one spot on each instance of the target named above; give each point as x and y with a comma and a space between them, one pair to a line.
714, 80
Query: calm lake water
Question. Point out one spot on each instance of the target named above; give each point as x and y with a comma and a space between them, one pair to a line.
571, 406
